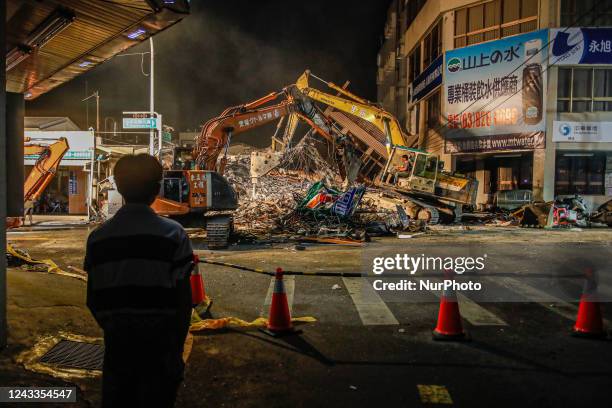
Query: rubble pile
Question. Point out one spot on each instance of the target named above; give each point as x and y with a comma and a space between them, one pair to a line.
264, 207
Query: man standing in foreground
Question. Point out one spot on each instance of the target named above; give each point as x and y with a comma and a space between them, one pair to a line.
138, 266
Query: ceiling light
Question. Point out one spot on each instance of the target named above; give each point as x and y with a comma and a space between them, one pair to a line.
85, 64
137, 33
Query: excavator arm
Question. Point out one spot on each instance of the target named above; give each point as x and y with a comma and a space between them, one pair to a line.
49, 158
357, 106
216, 134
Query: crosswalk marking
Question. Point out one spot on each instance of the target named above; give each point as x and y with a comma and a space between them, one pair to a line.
371, 308
553, 303
289, 289
604, 290
474, 313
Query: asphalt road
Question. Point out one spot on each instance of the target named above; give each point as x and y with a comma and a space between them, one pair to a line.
369, 348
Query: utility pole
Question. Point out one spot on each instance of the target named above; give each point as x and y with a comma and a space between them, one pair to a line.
93, 153
152, 96
3, 182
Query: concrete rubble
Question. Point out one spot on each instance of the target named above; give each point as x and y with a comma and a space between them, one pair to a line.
282, 202
278, 203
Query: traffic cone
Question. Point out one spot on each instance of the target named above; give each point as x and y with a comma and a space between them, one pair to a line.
200, 302
279, 318
589, 322
449, 325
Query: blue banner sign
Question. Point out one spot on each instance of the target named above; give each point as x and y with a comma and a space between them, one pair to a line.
427, 80
497, 88
571, 46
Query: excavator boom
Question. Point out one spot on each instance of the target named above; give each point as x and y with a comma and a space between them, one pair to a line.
49, 158
357, 106
216, 133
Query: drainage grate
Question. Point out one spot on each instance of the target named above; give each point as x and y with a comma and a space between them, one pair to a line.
75, 354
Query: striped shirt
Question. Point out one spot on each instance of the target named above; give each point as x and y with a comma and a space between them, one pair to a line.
138, 266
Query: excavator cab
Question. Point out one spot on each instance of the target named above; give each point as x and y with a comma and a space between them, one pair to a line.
423, 169
424, 173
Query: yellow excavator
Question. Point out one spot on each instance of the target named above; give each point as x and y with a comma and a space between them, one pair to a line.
45, 167
423, 189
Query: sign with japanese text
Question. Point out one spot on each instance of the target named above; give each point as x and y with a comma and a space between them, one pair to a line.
259, 118
572, 46
497, 88
427, 80
582, 132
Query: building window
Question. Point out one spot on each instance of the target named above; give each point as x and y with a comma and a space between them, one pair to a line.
493, 20
412, 10
432, 44
433, 110
586, 13
580, 173
414, 64
584, 90
413, 120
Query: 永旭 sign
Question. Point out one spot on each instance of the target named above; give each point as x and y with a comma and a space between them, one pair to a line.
575, 45
582, 132
497, 89
427, 80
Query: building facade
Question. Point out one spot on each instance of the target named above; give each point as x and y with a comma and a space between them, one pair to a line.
68, 191
516, 93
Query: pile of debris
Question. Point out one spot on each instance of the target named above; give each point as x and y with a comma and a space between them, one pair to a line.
263, 206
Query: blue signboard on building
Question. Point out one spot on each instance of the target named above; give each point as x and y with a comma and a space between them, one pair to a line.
571, 46
495, 94
427, 80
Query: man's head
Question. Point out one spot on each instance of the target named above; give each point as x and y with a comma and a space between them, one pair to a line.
138, 178
405, 158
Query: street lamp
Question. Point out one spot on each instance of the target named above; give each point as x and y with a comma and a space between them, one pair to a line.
151, 76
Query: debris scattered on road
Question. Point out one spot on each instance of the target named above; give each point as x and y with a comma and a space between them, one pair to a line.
335, 286
21, 258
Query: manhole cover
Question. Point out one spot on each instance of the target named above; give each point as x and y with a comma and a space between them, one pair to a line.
75, 354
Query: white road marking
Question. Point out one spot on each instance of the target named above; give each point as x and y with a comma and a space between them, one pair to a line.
474, 313
289, 289
371, 308
552, 303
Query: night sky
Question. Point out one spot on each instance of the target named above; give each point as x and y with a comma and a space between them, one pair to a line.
230, 52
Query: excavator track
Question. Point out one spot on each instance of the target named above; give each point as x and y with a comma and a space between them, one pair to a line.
218, 229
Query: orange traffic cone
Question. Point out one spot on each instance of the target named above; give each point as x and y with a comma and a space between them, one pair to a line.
589, 322
200, 302
279, 318
449, 325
